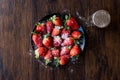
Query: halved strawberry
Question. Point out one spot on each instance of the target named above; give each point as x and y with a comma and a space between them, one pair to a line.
76, 34
56, 31
57, 41
48, 57
65, 50
68, 42
56, 20
47, 41
64, 59
41, 51
49, 26
65, 33
56, 52
37, 39
40, 27
75, 50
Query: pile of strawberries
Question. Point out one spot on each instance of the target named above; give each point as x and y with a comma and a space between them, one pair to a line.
57, 40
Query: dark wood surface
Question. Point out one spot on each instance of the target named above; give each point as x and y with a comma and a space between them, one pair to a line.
99, 61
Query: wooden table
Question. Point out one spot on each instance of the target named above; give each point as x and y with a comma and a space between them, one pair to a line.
101, 57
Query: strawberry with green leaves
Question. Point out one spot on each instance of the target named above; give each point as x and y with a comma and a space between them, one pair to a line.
65, 33
48, 57
37, 39
65, 50
75, 50
47, 41
40, 28
56, 52
71, 22
68, 42
76, 34
56, 31
40, 52
57, 41
56, 20
64, 59
49, 26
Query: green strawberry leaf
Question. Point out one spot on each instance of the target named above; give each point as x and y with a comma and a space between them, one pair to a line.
36, 55
38, 23
74, 58
56, 61
47, 61
77, 42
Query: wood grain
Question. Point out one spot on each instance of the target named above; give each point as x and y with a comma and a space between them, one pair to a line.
99, 61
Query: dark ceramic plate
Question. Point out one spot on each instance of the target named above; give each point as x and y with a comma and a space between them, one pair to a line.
44, 19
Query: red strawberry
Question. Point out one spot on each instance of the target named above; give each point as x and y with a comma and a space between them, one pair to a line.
47, 41
76, 34
55, 52
41, 51
68, 42
65, 50
37, 39
56, 31
56, 20
72, 23
75, 50
57, 41
49, 26
40, 28
64, 59
48, 57
65, 33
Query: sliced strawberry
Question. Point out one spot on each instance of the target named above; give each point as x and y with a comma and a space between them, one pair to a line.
75, 50
56, 31
65, 33
65, 50
56, 20
76, 34
56, 52
64, 59
68, 42
47, 41
49, 26
48, 57
37, 39
72, 23
41, 51
57, 41
40, 27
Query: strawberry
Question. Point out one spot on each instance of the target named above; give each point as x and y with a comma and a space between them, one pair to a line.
56, 21
76, 34
56, 52
64, 59
49, 26
75, 50
68, 42
47, 41
56, 31
71, 22
65, 50
40, 27
65, 33
48, 57
41, 51
57, 41
37, 39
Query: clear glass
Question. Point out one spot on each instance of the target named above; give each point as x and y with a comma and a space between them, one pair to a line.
100, 19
